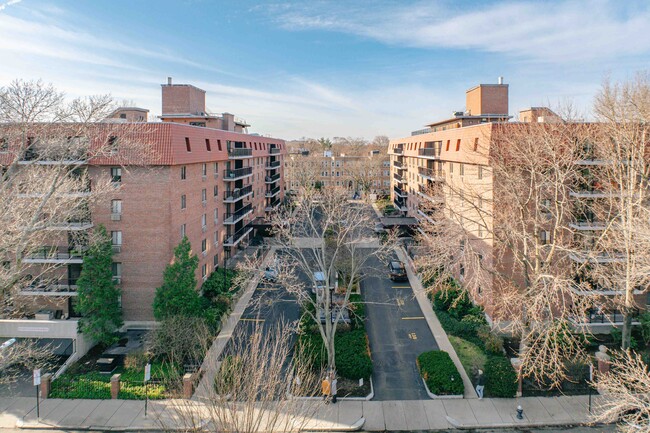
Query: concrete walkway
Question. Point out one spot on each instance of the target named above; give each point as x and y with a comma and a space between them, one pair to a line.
126, 415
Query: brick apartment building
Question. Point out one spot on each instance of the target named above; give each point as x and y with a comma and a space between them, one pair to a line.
372, 168
202, 177
440, 166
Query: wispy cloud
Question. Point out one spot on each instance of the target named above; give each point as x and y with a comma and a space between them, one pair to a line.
557, 32
3, 6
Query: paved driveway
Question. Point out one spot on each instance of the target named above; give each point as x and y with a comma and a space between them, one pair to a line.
397, 332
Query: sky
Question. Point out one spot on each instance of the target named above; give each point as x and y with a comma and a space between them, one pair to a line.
350, 68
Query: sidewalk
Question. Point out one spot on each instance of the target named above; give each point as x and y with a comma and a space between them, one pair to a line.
124, 415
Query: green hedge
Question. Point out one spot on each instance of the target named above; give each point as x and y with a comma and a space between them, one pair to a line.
440, 373
500, 378
358, 310
352, 357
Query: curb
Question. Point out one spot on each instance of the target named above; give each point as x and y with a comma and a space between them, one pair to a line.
20, 424
366, 398
433, 396
354, 427
523, 423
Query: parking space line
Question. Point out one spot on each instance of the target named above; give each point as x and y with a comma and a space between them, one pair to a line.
246, 319
413, 318
401, 287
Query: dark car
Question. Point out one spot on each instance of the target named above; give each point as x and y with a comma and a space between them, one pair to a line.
397, 271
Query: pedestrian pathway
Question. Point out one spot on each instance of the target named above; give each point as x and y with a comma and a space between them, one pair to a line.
395, 415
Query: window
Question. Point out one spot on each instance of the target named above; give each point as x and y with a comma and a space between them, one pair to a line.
116, 241
122, 115
117, 272
116, 206
462, 169
480, 231
480, 172
204, 195
451, 168
183, 202
215, 191
4, 144
207, 145
544, 237
204, 245
112, 144
480, 202
457, 145
475, 144
216, 169
204, 170
215, 260
183, 228
447, 148
187, 144
461, 271
203, 220
183, 173
216, 216
216, 239
204, 271
116, 174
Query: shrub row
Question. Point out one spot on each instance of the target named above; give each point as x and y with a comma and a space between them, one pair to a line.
500, 378
440, 373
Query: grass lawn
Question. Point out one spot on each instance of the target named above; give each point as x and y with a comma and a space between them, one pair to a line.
470, 355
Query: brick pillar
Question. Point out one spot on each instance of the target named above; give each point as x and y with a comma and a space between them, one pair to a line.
115, 386
46, 383
603, 359
188, 385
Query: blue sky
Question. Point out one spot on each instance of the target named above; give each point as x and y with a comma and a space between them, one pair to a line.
327, 68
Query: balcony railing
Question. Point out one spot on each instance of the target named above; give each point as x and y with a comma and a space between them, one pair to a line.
272, 179
397, 164
596, 257
397, 177
587, 225
232, 218
82, 189
53, 156
400, 192
398, 150
426, 193
273, 165
431, 173
239, 152
238, 236
55, 287
272, 193
237, 173
429, 152
237, 194
601, 318
269, 207
70, 225
55, 255
401, 205
274, 150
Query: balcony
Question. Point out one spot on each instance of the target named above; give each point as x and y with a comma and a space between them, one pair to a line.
237, 194
53, 254
81, 190
53, 156
398, 150
273, 165
429, 153
589, 193
431, 174
272, 193
425, 193
398, 178
271, 206
56, 287
601, 318
274, 150
426, 217
233, 218
239, 153
587, 225
71, 226
596, 257
272, 179
401, 205
237, 173
31, 328
398, 164
400, 192
233, 240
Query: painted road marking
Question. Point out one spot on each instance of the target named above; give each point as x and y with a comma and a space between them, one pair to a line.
399, 301
413, 318
401, 287
246, 319
412, 336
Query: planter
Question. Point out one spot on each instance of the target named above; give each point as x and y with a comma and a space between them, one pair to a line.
439, 397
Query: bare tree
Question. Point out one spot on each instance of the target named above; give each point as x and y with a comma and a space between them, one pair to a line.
255, 388
17, 357
626, 393
620, 176
505, 234
46, 144
364, 172
327, 242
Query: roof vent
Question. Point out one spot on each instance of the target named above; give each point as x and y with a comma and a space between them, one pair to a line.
500, 80
169, 81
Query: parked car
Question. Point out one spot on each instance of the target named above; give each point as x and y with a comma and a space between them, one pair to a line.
270, 274
397, 271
